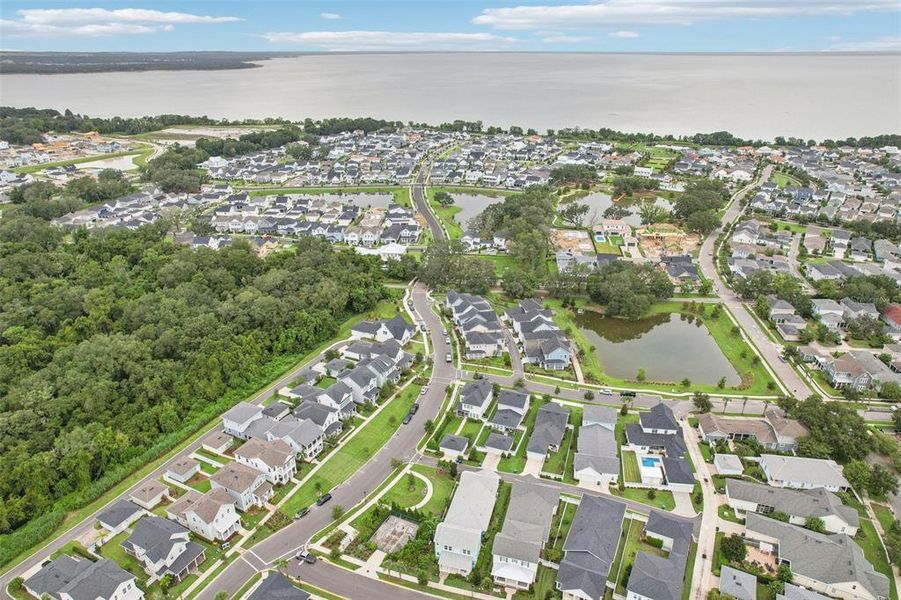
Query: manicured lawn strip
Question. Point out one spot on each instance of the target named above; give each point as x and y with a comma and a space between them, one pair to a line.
517, 462
282, 491
631, 473
201, 485
634, 545
353, 455
315, 591
884, 515
706, 452
868, 539
326, 382
207, 468
421, 588
689, 571
484, 562
445, 214
619, 429
628, 524
725, 512
560, 525
663, 499
556, 461
471, 430
271, 372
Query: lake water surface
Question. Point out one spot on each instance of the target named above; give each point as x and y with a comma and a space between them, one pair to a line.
598, 202
824, 95
666, 347
472, 205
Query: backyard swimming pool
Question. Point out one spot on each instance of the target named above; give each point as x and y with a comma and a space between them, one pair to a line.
650, 461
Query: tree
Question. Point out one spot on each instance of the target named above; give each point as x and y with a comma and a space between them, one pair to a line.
221, 595
337, 512
857, 472
702, 222
574, 213
815, 524
702, 402
721, 383
518, 284
686, 382
641, 375
896, 419
443, 198
882, 482
651, 213
429, 426
733, 548
627, 289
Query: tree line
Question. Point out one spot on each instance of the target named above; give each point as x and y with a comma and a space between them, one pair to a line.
115, 344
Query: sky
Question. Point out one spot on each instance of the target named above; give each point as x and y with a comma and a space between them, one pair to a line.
457, 25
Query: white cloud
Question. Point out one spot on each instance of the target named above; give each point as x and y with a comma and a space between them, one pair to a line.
95, 22
623, 34
881, 44
389, 40
329, 16
668, 12
565, 39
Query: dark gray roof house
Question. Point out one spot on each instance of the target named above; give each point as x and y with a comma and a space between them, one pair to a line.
655, 576
497, 441
154, 541
590, 546
659, 419
550, 425
677, 471
277, 587
454, 443
738, 584
79, 578
119, 512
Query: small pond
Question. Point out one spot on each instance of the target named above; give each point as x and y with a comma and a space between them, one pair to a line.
665, 346
472, 205
598, 202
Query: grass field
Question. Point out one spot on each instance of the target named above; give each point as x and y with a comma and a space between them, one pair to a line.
445, 214
442, 488
517, 462
142, 153
631, 474
405, 495
663, 499
556, 461
868, 539
353, 455
784, 179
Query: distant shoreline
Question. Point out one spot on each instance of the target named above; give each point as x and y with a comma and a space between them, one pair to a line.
54, 63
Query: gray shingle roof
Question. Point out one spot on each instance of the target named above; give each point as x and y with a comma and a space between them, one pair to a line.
817, 502
659, 417
475, 393
155, 536
550, 425
527, 522
738, 584
658, 577
277, 587
79, 578
456, 443
119, 512
590, 546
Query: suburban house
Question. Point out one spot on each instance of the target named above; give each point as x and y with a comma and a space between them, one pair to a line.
459, 537
657, 433
453, 447
803, 473
239, 417
728, 464
246, 485
275, 459
149, 494
71, 578
475, 398
212, 515
163, 547
774, 431
858, 369
794, 592
596, 461
276, 586
477, 323
596, 414
799, 505
516, 551
182, 469
512, 407
831, 564
590, 548
542, 342
119, 515
387, 329
655, 577
548, 430
738, 584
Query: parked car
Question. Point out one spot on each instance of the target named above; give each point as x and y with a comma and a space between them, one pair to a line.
414, 408
305, 556
323, 499
448, 358
303, 512
423, 391
407, 418
607, 391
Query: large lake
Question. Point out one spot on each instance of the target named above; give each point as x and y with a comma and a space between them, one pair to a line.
668, 348
756, 96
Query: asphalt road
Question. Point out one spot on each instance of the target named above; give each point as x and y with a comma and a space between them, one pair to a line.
88, 524
338, 581
770, 351
417, 191
402, 445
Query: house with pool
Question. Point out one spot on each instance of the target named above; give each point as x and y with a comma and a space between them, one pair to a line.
654, 454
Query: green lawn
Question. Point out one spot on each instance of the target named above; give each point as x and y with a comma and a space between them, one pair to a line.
326, 382
613, 576
401, 193
868, 540
282, 491
405, 496
353, 455
631, 473
200, 483
82, 159
442, 488
726, 512
634, 544
784, 179
885, 516
207, 467
114, 551
445, 214
517, 462
663, 499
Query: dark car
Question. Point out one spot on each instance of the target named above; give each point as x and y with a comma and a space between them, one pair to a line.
414, 408
323, 499
407, 418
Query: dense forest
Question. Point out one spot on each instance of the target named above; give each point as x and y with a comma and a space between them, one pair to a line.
116, 344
